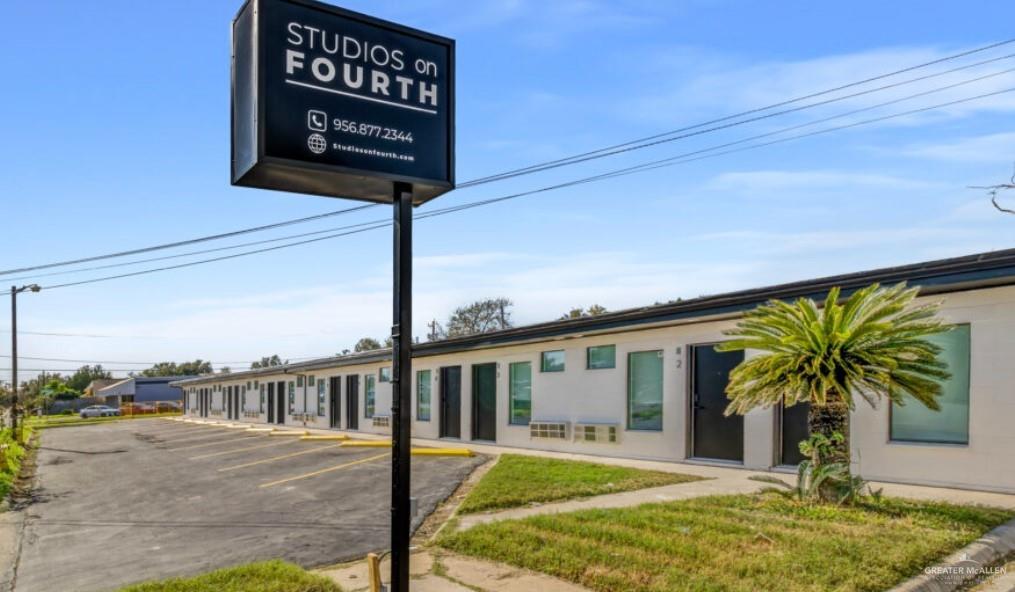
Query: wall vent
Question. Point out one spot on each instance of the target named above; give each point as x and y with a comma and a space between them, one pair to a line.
605, 433
548, 430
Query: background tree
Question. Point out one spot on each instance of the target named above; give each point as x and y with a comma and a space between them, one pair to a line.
577, 313
367, 344
873, 345
268, 362
84, 375
182, 369
482, 316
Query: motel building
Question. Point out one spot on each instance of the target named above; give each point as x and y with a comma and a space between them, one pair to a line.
646, 383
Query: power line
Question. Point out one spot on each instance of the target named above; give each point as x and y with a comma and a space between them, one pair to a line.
582, 157
608, 175
616, 148
189, 241
370, 225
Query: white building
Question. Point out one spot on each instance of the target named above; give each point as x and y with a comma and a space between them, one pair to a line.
647, 383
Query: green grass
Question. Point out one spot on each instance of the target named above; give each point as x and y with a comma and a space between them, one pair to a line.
733, 543
59, 421
267, 576
518, 480
11, 455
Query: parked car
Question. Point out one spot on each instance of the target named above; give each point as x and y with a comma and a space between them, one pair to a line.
168, 406
99, 411
136, 408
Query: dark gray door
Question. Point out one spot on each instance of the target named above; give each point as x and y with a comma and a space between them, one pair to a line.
352, 401
271, 402
451, 402
714, 434
280, 399
335, 402
794, 430
484, 402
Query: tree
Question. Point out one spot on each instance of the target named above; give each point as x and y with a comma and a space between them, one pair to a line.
84, 375
268, 362
367, 344
578, 313
873, 345
182, 369
481, 316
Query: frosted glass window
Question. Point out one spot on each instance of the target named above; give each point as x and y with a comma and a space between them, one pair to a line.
914, 422
602, 356
645, 390
369, 405
423, 390
520, 393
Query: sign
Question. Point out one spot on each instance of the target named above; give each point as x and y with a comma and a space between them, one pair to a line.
331, 102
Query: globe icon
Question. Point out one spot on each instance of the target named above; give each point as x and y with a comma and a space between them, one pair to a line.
317, 143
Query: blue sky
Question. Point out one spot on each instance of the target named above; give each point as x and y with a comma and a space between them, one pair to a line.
115, 121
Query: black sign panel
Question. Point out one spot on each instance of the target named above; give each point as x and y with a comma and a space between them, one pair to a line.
336, 103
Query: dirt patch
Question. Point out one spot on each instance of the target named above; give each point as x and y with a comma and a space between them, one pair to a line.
447, 509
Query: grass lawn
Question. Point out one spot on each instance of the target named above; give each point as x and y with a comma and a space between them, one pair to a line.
11, 455
267, 576
518, 480
57, 421
735, 543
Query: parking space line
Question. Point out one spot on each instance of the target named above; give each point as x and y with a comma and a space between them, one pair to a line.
224, 452
322, 471
207, 444
176, 430
274, 458
198, 438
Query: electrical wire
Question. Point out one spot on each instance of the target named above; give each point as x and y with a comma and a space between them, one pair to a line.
574, 159
609, 175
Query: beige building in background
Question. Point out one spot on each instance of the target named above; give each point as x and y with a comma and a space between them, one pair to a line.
647, 383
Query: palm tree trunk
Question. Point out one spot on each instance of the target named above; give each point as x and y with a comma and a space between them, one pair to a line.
829, 419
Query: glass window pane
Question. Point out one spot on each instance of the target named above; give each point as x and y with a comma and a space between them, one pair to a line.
369, 404
520, 393
645, 390
423, 385
602, 356
292, 397
321, 396
916, 423
385, 374
553, 361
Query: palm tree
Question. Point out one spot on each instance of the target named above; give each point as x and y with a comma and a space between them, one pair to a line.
873, 345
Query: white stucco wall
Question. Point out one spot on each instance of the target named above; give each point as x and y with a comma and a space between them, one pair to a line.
582, 395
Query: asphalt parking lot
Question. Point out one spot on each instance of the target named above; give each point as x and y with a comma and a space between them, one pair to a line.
128, 501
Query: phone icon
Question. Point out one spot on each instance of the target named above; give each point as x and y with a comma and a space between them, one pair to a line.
317, 120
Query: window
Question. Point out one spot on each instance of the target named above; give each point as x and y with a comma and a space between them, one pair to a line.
520, 393
310, 380
299, 380
553, 361
601, 356
384, 375
255, 384
369, 396
248, 385
320, 397
292, 397
423, 385
243, 395
913, 422
262, 397
645, 390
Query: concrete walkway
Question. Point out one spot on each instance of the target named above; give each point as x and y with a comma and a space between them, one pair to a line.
441, 571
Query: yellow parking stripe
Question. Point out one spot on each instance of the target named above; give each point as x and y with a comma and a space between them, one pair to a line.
274, 458
322, 471
206, 444
224, 452
368, 444
441, 452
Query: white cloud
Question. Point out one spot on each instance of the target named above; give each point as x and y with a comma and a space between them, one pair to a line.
739, 87
999, 147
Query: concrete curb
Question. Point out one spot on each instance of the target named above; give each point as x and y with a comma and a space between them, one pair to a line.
983, 552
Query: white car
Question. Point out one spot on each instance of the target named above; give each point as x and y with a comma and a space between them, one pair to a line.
99, 411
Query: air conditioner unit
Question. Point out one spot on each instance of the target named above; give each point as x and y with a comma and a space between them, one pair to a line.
604, 433
549, 430
382, 421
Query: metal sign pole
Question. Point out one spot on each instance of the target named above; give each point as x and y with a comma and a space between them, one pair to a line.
401, 385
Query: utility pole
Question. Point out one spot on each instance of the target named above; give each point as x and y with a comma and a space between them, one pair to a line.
14, 354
